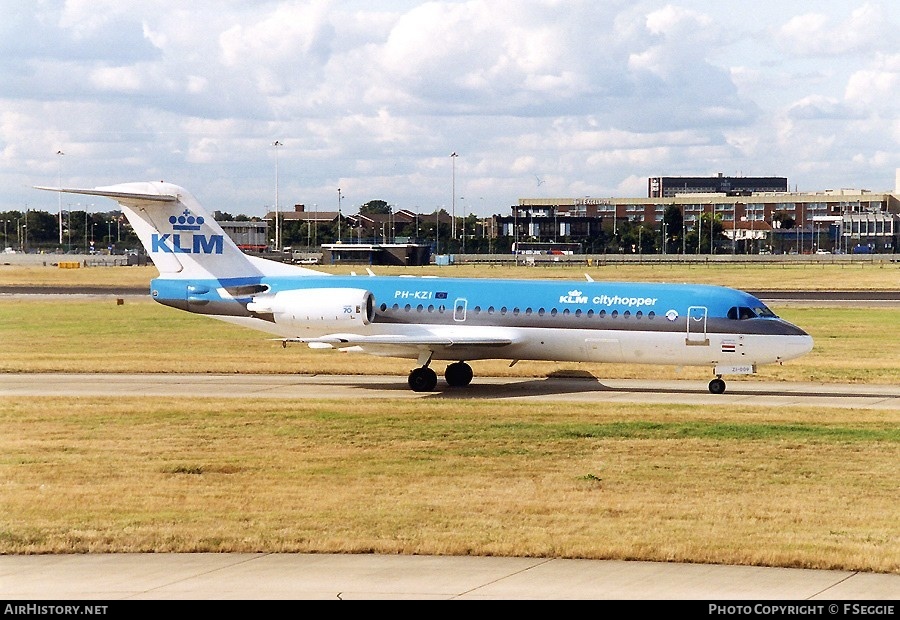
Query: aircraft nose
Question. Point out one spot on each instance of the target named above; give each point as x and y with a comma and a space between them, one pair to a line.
798, 345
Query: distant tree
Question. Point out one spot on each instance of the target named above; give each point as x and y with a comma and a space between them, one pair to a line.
375, 207
674, 227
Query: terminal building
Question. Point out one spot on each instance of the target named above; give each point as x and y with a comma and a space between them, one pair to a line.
751, 215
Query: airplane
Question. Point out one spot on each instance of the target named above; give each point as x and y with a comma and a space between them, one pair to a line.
456, 320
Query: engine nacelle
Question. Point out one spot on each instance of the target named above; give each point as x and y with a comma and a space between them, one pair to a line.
317, 307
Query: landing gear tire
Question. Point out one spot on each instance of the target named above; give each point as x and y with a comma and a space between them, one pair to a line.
717, 386
422, 379
458, 374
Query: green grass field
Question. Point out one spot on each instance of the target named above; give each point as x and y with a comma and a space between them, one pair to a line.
757, 485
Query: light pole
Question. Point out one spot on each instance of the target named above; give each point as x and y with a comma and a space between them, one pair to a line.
734, 229
276, 144
339, 215
463, 199
453, 157
59, 194
516, 233
752, 237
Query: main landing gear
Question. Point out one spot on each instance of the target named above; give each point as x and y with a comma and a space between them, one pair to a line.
424, 379
717, 385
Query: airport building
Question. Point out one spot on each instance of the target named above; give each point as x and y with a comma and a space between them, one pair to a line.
753, 220
666, 187
753, 215
250, 236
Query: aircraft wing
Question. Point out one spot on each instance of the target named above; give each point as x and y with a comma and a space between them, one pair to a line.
340, 341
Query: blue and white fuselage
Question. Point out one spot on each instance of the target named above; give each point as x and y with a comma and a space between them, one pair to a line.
452, 319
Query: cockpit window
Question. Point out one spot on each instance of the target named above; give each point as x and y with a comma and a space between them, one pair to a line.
764, 311
740, 313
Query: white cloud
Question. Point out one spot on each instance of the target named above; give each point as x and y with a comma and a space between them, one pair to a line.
592, 97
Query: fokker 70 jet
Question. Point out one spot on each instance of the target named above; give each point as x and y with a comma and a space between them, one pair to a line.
454, 320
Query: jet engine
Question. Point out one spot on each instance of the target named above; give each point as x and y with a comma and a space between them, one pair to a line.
316, 307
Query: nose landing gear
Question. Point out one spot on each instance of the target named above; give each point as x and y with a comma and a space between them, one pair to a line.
717, 385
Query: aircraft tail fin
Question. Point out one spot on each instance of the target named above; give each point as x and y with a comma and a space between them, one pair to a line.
182, 239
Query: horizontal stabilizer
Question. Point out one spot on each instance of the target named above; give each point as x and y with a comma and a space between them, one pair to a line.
99, 191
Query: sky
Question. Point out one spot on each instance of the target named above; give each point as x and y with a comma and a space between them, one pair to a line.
369, 100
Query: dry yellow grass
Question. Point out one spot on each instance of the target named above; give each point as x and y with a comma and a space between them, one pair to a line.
751, 485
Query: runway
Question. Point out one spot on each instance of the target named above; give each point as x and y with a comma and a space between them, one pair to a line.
555, 389
262, 576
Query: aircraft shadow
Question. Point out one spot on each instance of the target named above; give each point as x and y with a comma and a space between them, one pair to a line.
560, 385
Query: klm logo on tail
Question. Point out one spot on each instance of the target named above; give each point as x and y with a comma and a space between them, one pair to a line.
181, 243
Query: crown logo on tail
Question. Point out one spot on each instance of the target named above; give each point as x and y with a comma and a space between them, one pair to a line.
186, 221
